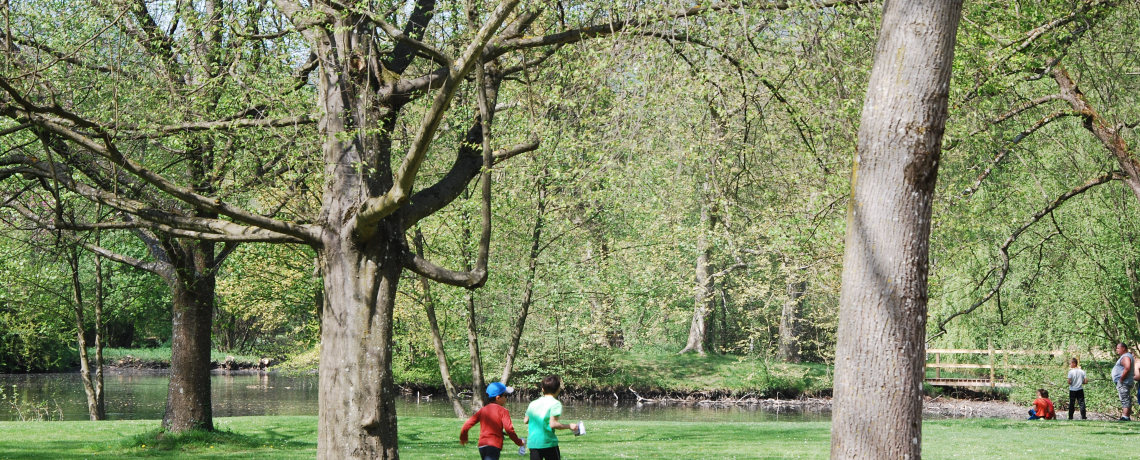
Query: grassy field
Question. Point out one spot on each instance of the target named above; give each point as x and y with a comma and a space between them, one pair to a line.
432, 438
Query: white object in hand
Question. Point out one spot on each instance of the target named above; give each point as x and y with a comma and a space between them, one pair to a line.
522, 448
581, 429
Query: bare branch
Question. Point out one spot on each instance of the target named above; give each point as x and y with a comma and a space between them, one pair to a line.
601, 30
153, 267
108, 150
517, 149
422, 267
15, 129
1009, 147
224, 125
1003, 269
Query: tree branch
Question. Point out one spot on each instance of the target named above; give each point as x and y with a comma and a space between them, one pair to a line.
437, 55
376, 208
108, 150
470, 280
1009, 147
1003, 269
601, 30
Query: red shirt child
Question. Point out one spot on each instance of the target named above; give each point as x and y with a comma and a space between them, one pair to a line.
493, 420
1043, 407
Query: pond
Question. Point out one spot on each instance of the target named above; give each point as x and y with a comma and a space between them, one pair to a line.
142, 395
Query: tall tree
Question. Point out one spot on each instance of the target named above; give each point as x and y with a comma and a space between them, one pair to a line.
880, 354
382, 92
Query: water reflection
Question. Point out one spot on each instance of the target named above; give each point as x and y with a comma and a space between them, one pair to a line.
142, 395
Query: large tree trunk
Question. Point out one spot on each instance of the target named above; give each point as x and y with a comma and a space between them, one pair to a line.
357, 395
790, 322
882, 314
192, 285
703, 297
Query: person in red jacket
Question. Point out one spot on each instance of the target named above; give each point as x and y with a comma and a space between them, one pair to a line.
1042, 407
493, 420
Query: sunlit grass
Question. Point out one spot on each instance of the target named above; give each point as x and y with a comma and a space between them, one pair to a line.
432, 438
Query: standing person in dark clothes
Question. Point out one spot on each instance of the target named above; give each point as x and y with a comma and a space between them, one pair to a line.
494, 419
1077, 381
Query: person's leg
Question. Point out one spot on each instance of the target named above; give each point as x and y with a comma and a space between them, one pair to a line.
1033, 414
1072, 403
489, 453
549, 453
1128, 400
1124, 391
1081, 401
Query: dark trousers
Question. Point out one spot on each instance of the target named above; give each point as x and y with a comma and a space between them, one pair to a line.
1077, 397
549, 453
489, 453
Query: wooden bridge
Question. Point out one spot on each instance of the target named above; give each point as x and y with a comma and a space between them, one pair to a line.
994, 380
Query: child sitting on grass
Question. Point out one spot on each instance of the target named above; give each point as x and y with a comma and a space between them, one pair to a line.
1042, 407
493, 420
542, 419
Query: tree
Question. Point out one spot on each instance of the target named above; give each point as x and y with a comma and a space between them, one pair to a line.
368, 92
880, 354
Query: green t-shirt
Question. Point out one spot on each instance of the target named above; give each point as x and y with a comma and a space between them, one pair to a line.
539, 434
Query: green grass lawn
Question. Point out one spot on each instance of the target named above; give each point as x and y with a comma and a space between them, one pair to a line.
432, 438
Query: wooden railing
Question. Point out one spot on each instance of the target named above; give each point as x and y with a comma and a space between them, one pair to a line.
994, 381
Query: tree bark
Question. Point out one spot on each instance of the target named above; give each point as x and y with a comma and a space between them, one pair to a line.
528, 292
702, 299
357, 395
437, 337
192, 283
477, 383
100, 399
790, 322
882, 317
93, 409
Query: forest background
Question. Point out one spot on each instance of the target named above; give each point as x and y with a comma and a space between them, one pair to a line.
699, 171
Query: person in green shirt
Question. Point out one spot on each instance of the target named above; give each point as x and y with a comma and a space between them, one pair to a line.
541, 420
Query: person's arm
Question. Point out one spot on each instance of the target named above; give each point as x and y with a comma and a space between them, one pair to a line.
556, 425
1070, 379
509, 428
467, 427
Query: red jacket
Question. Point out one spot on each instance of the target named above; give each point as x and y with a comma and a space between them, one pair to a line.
1044, 408
493, 420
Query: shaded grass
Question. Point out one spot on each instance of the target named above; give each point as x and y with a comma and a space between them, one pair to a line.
431, 438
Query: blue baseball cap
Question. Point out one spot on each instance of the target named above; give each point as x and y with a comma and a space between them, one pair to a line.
497, 388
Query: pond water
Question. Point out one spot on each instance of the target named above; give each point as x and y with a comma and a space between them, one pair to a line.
142, 395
